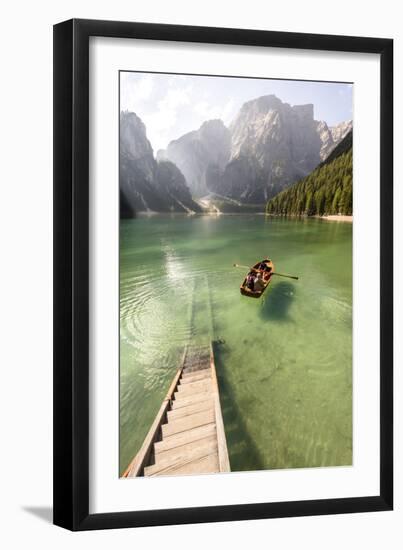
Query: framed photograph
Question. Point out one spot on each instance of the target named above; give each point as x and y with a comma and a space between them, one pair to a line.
223, 260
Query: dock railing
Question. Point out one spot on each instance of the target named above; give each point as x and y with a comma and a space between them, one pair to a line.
141, 459
221, 439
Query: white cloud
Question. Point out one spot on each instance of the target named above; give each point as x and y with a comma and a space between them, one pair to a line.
229, 111
135, 88
164, 119
224, 111
206, 111
175, 98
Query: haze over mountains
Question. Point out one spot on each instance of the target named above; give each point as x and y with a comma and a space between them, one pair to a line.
268, 147
195, 152
145, 184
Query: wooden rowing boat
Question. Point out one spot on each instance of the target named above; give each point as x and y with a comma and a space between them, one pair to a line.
259, 288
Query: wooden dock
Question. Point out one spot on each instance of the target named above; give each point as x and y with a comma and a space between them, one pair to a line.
187, 435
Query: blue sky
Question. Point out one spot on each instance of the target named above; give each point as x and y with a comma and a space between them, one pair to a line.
172, 105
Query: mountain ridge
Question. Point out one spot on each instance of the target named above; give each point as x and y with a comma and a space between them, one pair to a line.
144, 183
268, 146
192, 152
326, 191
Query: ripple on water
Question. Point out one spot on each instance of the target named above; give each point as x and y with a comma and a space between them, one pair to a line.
284, 364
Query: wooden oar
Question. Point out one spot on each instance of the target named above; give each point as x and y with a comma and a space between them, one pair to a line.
274, 273
283, 275
239, 265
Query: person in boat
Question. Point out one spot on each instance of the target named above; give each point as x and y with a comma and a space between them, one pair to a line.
258, 282
250, 280
263, 265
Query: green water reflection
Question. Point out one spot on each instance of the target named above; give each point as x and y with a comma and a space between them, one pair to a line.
284, 364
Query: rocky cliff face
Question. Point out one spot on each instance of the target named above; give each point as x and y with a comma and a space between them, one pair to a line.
270, 130
331, 136
326, 139
273, 145
340, 131
197, 152
146, 185
172, 183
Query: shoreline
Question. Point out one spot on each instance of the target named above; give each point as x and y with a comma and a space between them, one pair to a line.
337, 218
144, 214
332, 217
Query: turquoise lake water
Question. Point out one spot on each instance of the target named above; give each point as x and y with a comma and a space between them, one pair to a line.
284, 362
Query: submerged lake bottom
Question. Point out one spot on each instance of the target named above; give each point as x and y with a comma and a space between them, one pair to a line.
284, 361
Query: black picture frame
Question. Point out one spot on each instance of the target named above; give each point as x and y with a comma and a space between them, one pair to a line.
72, 285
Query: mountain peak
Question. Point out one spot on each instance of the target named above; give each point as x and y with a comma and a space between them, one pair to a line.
332, 135
213, 123
263, 103
340, 130
128, 117
194, 151
133, 136
144, 183
266, 103
303, 111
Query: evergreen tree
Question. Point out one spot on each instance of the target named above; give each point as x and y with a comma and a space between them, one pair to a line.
326, 190
336, 201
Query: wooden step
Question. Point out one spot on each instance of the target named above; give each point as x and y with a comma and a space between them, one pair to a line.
205, 465
182, 456
194, 377
197, 360
179, 439
180, 449
187, 423
195, 371
190, 409
193, 387
185, 400
196, 367
197, 354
